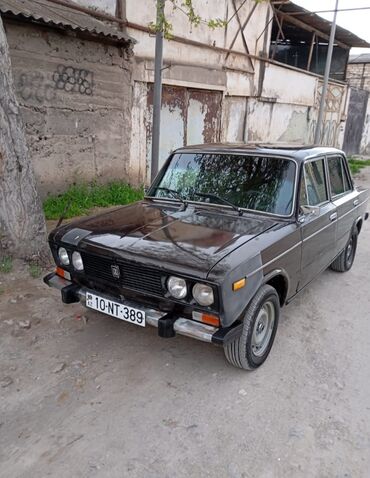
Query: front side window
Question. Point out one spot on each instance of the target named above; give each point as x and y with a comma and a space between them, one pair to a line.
313, 188
253, 182
339, 181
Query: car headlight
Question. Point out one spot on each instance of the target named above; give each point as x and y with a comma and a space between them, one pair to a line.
177, 287
203, 294
63, 256
77, 261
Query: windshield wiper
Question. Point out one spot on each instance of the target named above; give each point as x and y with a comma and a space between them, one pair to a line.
220, 199
175, 194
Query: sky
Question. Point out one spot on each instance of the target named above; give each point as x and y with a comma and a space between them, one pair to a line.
357, 22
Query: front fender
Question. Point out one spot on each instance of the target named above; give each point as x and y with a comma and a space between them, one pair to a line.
280, 272
235, 302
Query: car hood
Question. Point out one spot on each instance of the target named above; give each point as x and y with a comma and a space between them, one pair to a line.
189, 240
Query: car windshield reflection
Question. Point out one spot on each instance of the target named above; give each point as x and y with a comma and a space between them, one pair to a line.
259, 183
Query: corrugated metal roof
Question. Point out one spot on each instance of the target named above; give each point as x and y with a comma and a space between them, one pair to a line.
62, 16
319, 23
363, 58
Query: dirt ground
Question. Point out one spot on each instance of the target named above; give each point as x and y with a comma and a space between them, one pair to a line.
85, 395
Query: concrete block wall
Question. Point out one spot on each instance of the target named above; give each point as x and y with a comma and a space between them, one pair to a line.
75, 96
358, 75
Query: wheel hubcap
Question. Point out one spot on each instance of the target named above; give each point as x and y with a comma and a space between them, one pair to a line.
263, 327
349, 250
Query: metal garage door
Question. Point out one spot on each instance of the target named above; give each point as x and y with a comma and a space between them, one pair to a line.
188, 116
355, 121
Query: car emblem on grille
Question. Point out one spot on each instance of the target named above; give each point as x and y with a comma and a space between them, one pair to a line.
115, 271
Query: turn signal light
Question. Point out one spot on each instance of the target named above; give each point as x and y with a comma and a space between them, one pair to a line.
207, 318
239, 284
62, 273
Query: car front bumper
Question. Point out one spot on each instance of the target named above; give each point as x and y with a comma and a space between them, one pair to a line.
167, 324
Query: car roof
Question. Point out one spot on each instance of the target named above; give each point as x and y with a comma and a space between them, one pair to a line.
296, 151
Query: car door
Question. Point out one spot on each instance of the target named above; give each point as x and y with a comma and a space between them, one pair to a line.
343, 196
318, 227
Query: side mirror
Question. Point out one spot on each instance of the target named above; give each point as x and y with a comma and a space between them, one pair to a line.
308, 210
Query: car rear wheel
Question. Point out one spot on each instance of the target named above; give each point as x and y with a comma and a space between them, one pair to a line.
250, 349
344, 261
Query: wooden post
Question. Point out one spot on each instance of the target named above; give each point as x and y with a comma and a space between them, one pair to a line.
311, 51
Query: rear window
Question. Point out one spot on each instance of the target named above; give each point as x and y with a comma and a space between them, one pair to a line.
339, 181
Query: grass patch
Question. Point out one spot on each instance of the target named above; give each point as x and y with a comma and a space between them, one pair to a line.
6, 264
79, 199
357, 164
34, 270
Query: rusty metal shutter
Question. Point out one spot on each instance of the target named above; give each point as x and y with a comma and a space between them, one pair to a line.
189, 116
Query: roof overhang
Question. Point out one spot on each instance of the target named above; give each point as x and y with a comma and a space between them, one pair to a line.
299, 16
63, 17
363, 58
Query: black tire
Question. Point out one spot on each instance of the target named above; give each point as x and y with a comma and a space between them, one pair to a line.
344, 261
241, 352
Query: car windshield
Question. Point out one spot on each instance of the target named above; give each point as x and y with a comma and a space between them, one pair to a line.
252, 182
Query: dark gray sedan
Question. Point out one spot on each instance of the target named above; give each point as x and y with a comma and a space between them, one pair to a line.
226, 236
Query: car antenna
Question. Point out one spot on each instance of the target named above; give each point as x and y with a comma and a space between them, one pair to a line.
63, 215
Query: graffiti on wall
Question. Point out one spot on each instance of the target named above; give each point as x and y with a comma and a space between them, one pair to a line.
69, 78
35, 86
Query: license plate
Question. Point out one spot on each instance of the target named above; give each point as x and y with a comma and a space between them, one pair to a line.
115, 309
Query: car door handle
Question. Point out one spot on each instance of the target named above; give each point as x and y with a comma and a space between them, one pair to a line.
333, 216
355, 202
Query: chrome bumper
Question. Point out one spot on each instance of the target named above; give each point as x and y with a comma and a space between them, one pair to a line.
182, 326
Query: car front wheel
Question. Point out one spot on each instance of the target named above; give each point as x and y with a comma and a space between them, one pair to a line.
250, 349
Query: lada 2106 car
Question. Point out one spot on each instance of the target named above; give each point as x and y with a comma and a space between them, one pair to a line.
225, 237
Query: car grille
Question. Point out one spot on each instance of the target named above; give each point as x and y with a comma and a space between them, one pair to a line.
133, 276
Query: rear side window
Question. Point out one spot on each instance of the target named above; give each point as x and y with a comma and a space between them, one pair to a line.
339, 181
313, 187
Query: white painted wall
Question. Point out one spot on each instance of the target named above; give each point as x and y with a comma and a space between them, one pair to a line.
289, 86
365, 140
138, 145
197, 116
241, 84
107, 6
276, 122
182, 54
234, 119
